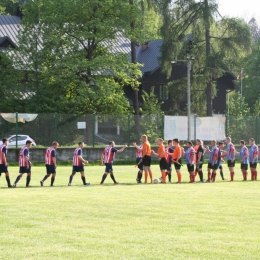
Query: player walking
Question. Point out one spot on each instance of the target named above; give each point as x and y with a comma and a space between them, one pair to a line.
108, 156
190, 155
3, 162
139, 162
213, 161
230, 153
162, 157
168, 150
244, 159
253, 159
78, 164
200, 159
25, 164
50, 163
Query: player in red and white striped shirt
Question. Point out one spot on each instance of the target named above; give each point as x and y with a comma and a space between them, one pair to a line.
3, 162
139, 156
78, 164
108, 156
25, 164
51, 163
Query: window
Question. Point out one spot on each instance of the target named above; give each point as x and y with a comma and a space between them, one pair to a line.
164, 92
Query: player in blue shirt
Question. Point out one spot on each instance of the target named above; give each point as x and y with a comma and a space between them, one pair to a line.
253, 159
213, 161
244, 159
190, 156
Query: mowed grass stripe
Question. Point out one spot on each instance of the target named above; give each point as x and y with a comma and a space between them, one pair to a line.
128, 221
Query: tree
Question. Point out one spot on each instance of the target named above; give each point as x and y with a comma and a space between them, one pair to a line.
70, 62
210, 41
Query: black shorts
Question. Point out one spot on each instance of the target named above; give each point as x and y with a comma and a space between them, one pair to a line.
199, 166
163, 164
3, 168
190, 167
213, 167
177, 166
50, 169
25, 170
231, 164
244, 166
220, 167
147, 160
78, 168
169, 166
253, 165
109, 167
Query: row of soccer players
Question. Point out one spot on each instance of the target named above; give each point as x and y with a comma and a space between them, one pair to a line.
25, 164
194, 159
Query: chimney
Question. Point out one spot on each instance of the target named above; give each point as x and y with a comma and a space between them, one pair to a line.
145, 46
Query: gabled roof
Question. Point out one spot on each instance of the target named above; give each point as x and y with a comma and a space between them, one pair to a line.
9, 26
6, 42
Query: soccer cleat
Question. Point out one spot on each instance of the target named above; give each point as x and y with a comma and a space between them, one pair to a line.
87, 184
10, 186
28, 186
14, 185
201, 181
178, 182
101, 183
69, 184
116, 182
41, 182
52, 185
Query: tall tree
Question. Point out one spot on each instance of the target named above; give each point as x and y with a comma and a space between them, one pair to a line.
197, 19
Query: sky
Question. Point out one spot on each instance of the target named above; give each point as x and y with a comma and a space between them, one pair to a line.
238, 8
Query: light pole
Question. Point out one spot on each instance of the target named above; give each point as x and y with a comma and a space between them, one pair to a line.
188, 60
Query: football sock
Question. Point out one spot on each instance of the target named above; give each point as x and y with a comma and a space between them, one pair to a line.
163, 177
7, 179
245, 176
222, 175
195, 174
209, 175
179, 176
139, 176
52, 180
170, 176
232, 176
18, 178
113, 178
28, 179
45, 177
201, 175
71, 177
151, 176
103, 177
252, 175
255, 175
145, 177
214, 176
83, 179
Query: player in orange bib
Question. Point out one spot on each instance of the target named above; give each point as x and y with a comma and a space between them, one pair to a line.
146, 160
162, 157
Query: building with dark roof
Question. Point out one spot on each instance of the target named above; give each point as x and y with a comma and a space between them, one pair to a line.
147, 54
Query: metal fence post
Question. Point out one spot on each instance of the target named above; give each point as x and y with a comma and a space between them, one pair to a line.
55, 127
195, 130
128, 132
16, 128
93, 130
163, 125
256, 129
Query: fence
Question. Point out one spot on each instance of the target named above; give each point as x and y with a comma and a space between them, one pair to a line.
97, 130
94, 130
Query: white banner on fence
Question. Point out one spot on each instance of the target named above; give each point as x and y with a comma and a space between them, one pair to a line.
207, 128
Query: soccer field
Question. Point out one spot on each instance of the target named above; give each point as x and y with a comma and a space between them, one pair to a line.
128, 221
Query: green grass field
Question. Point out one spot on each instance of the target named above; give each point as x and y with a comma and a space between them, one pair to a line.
128, 221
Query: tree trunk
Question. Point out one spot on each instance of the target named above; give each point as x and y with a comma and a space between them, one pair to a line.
207, 35
136, 88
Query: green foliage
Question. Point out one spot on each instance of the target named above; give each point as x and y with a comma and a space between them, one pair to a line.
218, 45
238, 107
9, 6
70, 59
